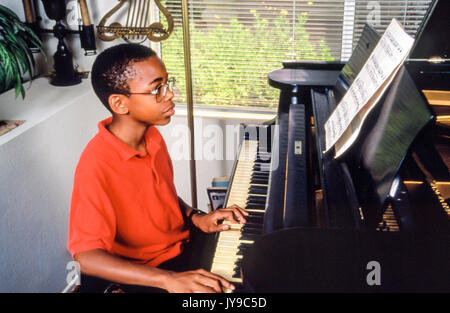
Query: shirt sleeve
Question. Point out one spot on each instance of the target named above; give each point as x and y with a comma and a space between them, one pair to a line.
92, 221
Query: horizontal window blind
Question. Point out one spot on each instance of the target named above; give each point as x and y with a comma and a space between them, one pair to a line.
379, 14
234, 44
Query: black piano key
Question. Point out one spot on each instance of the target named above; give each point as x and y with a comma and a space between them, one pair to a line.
254, 219
247, 236
260, 190
238, 265
262, 159
256, 199
253, 201
262, 177
262, 181
236, 275
253, 206
256, 205
251, 231
242, 250
258, 174
262, 167
251, 226
254, 230
245, 245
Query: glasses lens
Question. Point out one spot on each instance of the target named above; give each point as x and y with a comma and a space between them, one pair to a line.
171, 83
162, 89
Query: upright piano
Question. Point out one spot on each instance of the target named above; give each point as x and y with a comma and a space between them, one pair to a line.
373, 220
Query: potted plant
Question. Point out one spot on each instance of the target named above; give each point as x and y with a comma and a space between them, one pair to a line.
16, 58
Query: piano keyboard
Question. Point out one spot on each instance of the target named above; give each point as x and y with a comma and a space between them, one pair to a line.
248, 190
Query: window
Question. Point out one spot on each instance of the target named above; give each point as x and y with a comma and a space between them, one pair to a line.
234, 44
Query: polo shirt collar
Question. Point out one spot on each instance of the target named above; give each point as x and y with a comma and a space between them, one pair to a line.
125, 152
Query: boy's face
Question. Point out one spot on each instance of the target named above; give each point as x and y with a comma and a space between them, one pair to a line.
145, 108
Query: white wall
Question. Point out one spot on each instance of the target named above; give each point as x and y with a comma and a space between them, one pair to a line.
37, 166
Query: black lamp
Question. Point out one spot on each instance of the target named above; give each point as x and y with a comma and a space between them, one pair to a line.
65, 74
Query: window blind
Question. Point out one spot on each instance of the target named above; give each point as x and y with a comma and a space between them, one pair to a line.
234, 44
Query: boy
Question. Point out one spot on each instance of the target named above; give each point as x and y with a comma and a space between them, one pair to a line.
127, 224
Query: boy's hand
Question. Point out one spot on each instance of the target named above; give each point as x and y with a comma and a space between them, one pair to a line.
210, 223
196, 281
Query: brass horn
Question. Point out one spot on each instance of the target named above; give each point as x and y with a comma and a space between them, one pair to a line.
138, 23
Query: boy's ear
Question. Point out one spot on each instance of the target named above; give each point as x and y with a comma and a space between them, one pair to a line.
118, 103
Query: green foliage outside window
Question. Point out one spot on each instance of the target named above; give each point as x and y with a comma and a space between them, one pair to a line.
230, 62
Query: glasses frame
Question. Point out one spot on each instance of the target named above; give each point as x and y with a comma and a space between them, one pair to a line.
169, 84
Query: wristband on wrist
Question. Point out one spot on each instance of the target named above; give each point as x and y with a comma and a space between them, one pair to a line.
194, 211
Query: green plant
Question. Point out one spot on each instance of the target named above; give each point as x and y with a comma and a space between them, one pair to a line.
225, 58
16, 57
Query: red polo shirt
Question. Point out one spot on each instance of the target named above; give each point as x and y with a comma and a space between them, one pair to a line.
125, 202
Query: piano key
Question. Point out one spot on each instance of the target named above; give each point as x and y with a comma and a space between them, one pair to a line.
247, 227
256, 200
256, 213
259, 174
236, 273
254, 219
257, 190
249, 236
261, 167
241, 252
255, 230
256, 197
257, 180
248, 189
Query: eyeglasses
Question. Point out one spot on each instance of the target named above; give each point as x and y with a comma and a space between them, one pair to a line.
160, 91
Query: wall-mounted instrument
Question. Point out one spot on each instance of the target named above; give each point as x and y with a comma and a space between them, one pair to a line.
65, 74
138, 25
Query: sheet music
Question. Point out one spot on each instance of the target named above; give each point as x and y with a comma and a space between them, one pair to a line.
344, 124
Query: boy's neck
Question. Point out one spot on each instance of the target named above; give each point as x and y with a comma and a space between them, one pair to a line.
130, 132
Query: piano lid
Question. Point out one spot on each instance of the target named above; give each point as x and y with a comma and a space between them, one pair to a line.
429, 62
432, 39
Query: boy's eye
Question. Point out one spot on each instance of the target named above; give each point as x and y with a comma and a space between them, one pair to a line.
155, 90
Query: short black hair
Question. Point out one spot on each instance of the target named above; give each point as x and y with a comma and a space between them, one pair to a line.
113, 68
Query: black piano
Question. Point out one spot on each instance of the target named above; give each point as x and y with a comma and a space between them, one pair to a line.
375, 219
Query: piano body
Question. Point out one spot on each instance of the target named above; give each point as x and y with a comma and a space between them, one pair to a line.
321, 224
